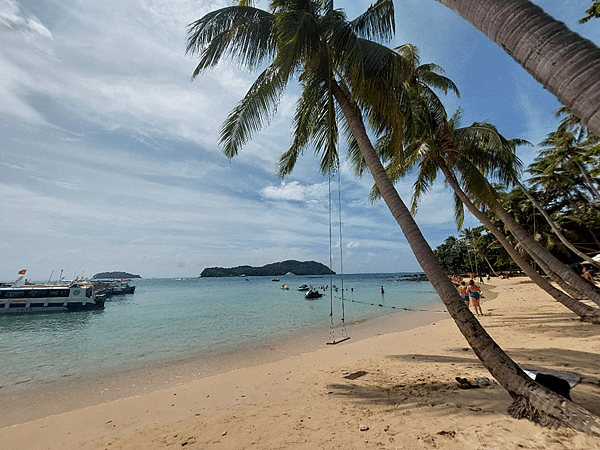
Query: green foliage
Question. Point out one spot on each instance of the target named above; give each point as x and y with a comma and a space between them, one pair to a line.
592, 12
318, 46
472, 252
452, 255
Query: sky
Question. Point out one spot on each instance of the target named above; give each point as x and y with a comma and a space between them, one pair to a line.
109, 156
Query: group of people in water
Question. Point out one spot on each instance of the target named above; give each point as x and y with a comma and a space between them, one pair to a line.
470, 293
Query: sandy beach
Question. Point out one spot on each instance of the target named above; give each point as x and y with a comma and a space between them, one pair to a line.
385, 388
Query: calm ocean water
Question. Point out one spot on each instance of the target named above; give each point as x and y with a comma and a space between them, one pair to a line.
173, 319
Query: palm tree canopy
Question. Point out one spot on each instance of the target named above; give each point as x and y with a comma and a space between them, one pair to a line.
310, 41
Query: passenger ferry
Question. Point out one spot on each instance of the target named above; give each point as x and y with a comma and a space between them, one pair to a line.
31, 298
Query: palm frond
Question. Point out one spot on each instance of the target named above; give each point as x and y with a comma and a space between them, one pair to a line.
377, 22
254, 111
241, 32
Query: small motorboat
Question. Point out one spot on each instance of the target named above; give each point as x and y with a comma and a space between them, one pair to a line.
285, 286
304, 287
313, 293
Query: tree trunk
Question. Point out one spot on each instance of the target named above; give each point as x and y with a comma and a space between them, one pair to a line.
531, 400
491, 268
587, 313
588, 179
562, 61
555, 227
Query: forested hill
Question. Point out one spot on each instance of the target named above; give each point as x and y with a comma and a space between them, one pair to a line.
114, 275
270, 270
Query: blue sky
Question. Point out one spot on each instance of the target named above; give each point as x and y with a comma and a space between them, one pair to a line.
109, 156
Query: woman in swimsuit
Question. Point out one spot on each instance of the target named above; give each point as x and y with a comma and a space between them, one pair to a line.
463, 292
475, 293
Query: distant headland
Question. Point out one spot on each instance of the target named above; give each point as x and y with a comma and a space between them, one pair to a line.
270, 270
114, 275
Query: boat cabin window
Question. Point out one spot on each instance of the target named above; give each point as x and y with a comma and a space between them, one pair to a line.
59, 293
15, 294
38, 293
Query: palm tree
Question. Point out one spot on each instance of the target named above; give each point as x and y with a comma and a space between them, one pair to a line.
477, 153
557, 231
562, 61
564, 149
336, 62
556, 184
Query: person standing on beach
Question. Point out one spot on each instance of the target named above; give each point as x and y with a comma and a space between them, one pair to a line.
475, 294
463, 291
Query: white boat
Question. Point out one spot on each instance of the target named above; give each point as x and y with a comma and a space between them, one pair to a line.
32, 298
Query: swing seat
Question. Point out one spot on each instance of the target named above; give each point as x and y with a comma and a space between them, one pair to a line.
337, 341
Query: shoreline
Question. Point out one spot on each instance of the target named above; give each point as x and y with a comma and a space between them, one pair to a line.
23, 403
391, 390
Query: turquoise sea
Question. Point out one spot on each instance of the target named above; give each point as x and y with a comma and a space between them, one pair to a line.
178, 319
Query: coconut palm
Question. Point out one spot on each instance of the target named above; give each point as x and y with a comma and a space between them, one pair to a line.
555, 227
566, 64
564, 149
473, 154
336, 61
557, 186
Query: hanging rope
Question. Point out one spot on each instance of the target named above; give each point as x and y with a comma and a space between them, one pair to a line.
330, 254
344, 336
331, 328
341, 250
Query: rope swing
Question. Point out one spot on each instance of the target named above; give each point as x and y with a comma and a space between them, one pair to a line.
344, 336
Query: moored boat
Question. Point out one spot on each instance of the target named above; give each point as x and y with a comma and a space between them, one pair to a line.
110, 287
31, 298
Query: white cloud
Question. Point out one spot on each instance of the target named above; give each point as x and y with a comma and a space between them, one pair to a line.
107, 144
294, 191
12, 17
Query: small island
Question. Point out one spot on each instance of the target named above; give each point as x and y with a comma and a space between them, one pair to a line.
270, 270
113, 275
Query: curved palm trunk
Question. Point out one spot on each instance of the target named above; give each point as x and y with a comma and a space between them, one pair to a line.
587, 313
531, 400
490, 265
540, 254
562, 61
555, 227
588, 179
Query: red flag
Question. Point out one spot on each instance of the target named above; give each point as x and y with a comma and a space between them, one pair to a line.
22, 272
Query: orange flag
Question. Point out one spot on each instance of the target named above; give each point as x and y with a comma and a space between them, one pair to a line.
22, 272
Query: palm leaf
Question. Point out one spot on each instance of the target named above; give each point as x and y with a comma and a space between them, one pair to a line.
254, 111
243, 33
